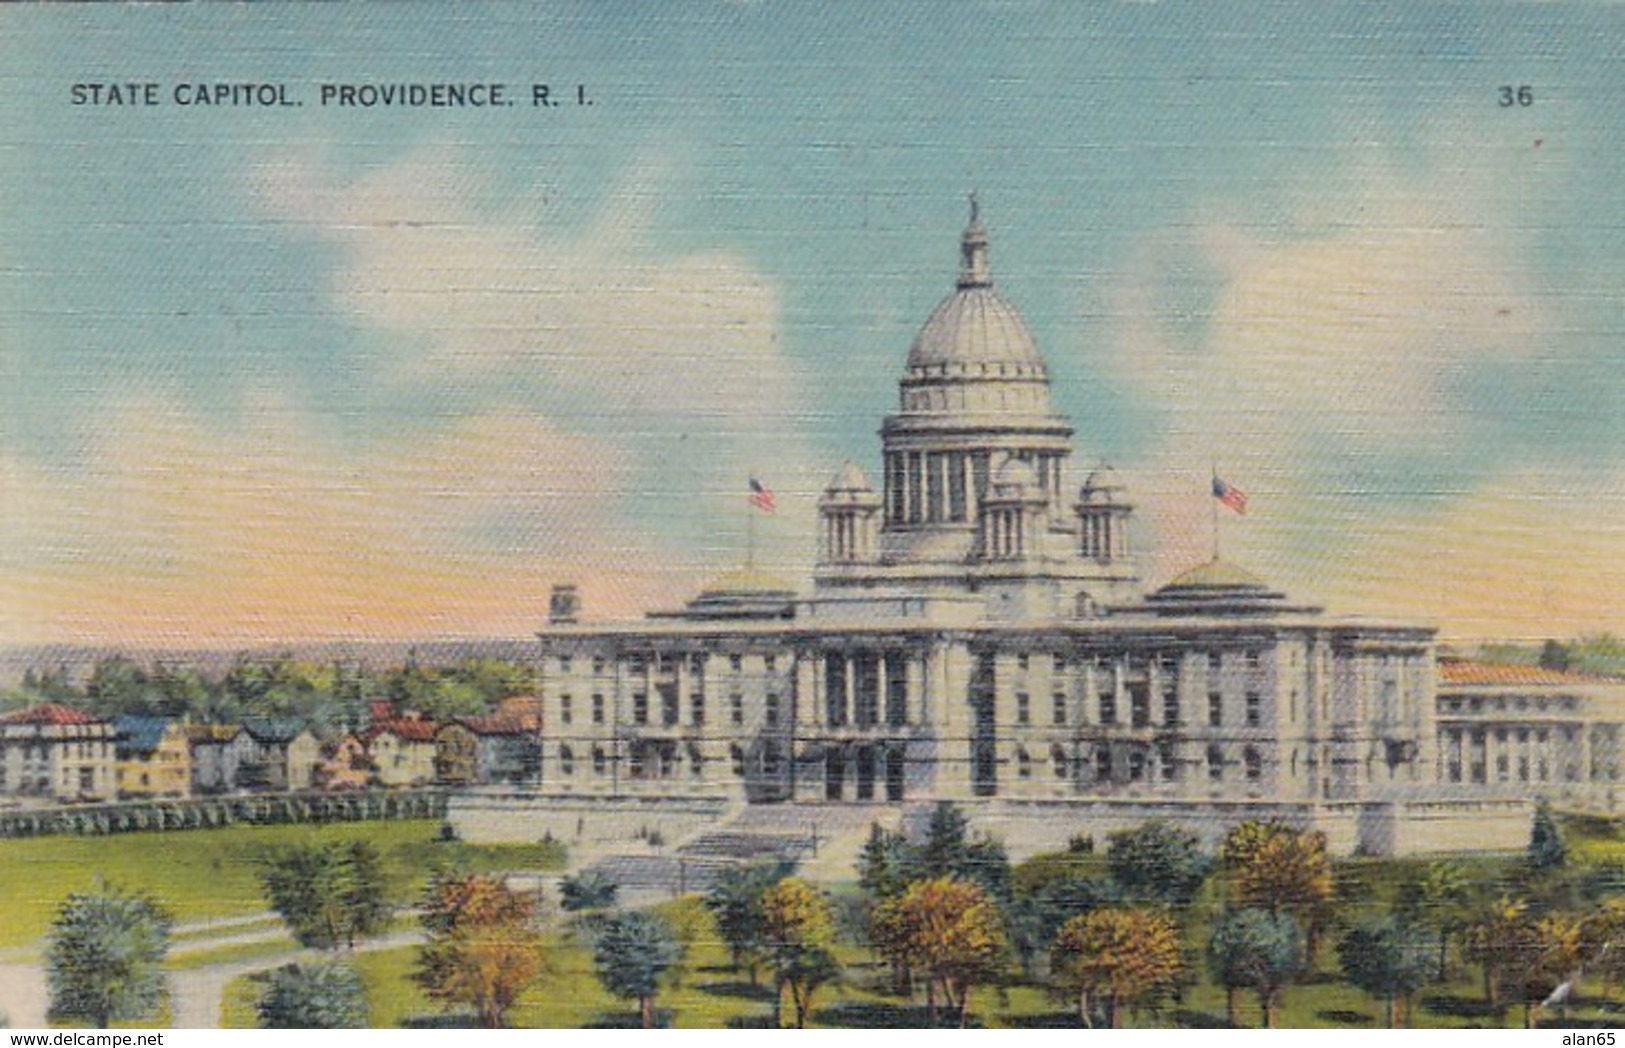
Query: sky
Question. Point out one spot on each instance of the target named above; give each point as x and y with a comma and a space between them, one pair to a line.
307, 372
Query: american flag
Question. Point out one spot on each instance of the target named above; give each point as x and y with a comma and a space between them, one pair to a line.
761, 496
1230, 495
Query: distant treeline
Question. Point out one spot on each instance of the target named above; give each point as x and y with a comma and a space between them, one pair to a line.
1599, 656
207, 812
326, 695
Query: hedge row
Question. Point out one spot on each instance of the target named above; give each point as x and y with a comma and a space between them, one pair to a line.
206, 812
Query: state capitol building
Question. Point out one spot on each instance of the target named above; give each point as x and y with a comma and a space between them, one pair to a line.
976, 631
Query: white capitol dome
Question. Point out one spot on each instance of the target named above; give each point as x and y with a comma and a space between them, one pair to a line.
975, 352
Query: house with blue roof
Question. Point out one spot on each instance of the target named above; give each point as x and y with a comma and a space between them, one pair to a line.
151, 757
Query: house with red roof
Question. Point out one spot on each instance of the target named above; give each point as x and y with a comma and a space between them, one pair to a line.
403, 751
485, 750
56, 752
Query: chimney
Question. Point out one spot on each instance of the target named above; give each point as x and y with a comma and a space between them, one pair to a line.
564, 606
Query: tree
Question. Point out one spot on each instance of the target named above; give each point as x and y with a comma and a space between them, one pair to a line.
886, 865
482, 950
104, 957
1037, 914
1552, 950
313, 997
1438, 898
1389, 961
1604, 943
1158, 863
735, 900
1257, 950
588, 890
1282, 870
1122, 956
1546, 849
631, 952
329, 895
1497, 939
1554, 655
799, 930
948, 929
948, 851
946, 847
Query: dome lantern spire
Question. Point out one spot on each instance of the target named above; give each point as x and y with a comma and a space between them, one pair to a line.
974, 270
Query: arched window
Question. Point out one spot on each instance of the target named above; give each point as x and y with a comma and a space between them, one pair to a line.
1215, 763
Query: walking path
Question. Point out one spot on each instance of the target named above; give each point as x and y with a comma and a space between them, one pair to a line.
195, 995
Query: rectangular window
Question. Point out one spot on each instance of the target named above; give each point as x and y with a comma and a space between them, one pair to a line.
1058, 713
1140, 706
956, 487
1254, 659
566, 706
1108, 707
669, 705
736, 708
894, 488
1254, 709
696, 704
564, 664
896, 691
736, 663
640, 708
771, 663
933, 486
1215, 709
598, 666
598, 709
770, 710
914, 500
1023, 708
1170, 707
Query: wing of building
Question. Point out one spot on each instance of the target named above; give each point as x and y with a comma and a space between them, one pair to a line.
976, 631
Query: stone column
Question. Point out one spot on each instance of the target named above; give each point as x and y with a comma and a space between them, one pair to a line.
806, 694
919, 705
850, 698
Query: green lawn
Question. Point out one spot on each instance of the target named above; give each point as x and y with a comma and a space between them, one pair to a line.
199, 874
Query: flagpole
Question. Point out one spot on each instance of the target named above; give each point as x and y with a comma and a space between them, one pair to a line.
1213, 500
750, 534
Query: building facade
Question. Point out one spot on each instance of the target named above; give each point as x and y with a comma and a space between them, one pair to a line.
153, 758
1523, 730
976, 631
56, 752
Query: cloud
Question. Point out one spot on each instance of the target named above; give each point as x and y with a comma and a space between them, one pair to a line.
171, 531
670, 356
1533, 552
1327, 362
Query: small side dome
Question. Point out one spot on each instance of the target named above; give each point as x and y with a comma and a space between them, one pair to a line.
745, 593
1103, 479
849, 480
746, 582
1101, 487
1215, 575
1015, 474
1221, 588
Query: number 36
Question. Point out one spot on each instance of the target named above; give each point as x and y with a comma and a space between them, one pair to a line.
1523, 95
